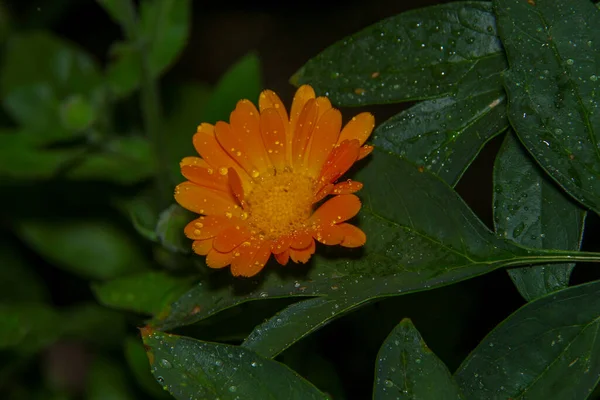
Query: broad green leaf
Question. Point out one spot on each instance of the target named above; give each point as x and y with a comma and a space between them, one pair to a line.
83, 321
142, 212
125, 160
408, 369
118, 10
41, 76
420, 54
553, 49
107, 380
181, 122
192, 369
548, 349
297, 321
28, 327
138, 365
169, 228
420, 235
241, 81
144, 293
162, 31
21, 158
531, 210
445, 135
18, 281
95, 249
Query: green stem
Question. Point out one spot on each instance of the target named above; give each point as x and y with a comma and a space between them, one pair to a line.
150, 101
541, 256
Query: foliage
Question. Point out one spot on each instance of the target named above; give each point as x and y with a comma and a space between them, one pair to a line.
93, 249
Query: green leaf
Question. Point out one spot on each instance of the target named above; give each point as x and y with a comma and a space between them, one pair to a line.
162, 31
241, 81
420, 235
138, 365
141, 210
18, 281
180, 124
40, 77
169, 228
83, 322
28, 327
531, 210
553, 50
144, 293
107, 380
445, 135
408, 369
548, 349
192, 369
125, 160
420, 54
118, 10
94, 249
21, 158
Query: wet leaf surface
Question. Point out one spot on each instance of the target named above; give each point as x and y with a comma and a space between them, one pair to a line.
532, 210
548, 349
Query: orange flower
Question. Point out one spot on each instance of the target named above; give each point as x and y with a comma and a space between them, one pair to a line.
261, 176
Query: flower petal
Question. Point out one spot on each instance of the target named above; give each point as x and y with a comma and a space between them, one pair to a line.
245, 124
202, 247
364, 151
341, 159
302, 256
281, 244
273, 134
235, 146
202, 200
235, 185
215, 259
323, 105
302, 132
199, 171
302, 96
359, 127
268, 99
353, 236
207, 227
251, 260
329, 235
283, 257
301, 240
347, 187
335, 210
323, 140
230, 238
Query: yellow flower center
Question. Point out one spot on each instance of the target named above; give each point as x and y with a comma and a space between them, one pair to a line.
280, 204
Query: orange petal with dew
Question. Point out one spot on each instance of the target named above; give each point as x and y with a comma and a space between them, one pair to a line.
323, 192
347, 187
235, 185
234, 146
329, 235
323, 140
364, 151
215, 259
283, 257
202, 247
273, 134
340, 161
211, 151
302, 96
303, 255
323, 105
359, 128
205, 176
281, 244
245, 124
353, 236
301, 240
336, 210
269, 99
251, 260
207, 227
302, 132
202, 200
230, 238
